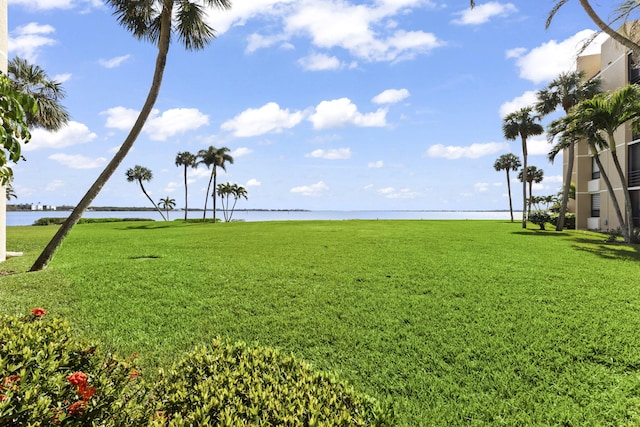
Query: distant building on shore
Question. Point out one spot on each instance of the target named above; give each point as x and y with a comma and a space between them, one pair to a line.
39, 207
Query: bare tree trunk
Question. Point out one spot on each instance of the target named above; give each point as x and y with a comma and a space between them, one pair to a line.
186, 194
628, 224
524, 182
215, 181
625, 41
94, 190
151, 200
509, 191
206, 197
607, 182
567, 187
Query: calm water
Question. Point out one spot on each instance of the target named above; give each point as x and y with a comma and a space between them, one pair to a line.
28, 218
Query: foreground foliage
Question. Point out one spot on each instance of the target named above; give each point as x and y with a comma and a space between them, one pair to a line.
48, 377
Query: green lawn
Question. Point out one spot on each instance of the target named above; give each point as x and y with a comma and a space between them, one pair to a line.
459, 322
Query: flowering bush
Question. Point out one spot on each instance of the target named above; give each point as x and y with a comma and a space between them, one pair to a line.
47, 377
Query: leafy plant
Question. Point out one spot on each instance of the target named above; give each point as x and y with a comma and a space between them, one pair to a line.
540, 218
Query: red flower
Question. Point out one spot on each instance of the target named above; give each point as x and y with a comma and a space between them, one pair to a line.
38, 312
78, 378
3, 397
134, 374
77, 407
86, 391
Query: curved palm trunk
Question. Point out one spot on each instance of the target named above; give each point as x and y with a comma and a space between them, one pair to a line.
614, 200
626, 226
567, 187
508, 191
625, 41
233, 208
530, 197
186, 195
524, 182
94, 190
206, 197
151, 200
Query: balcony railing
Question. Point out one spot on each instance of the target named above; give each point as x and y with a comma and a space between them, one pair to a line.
634, 178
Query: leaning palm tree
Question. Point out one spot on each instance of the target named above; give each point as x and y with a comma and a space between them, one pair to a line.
167, 204
224, 192
534, 175
155, 21
140, 173
566, 91
523, 124
238, 192
607, 112
214, 157
188, 160
508, 162
33, 80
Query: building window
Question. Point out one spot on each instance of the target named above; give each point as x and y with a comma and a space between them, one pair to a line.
595, 169
595, 205
633, 69
635, 203
634, 165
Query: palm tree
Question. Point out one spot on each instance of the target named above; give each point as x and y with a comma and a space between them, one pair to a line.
33, 80
238, 192
566, 90
523, 124
10, 191
139, 173
533, 175
577, 127
215, 157
224, 192
607, 112
188, 160
623, 11
153, 21
508, 162
167, 204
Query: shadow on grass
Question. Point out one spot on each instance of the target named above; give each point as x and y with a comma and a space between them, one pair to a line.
530, 232
618, 251
152, 226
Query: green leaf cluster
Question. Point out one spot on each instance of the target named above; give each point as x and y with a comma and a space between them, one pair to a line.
13, 125
223, 384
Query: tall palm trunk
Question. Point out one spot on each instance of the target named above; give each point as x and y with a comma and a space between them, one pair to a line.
206, 197
607, 182
508, 191
524, 181
215, 180
151, 200
627, 226
567, 186
186, 194
94, 190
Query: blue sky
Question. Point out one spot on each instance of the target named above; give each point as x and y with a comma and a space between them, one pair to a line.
324, 104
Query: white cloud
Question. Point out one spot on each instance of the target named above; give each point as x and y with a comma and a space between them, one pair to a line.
320, 62
159, 127
481, 186
391, 96
71, 134
61, 78
114, 62
200, 172
363, 30
376, 164
333, 154
403, 193
341, 112
546, 61
173, 122
472, 151
172, 187
482, 13
311, 190
28, 39
268, 118
54, 185
253, 183
78, 161
527, 99
538, 146
240, 152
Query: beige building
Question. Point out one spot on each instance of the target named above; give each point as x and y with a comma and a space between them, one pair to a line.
592, 206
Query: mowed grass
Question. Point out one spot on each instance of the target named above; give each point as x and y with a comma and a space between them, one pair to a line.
458, 322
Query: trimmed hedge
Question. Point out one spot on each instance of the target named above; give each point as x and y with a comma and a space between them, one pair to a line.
60, 220
47, 377
569, 220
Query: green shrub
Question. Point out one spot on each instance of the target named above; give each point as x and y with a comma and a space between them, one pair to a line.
47, 377
59, 220
569, 220
540, 218
232, 384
